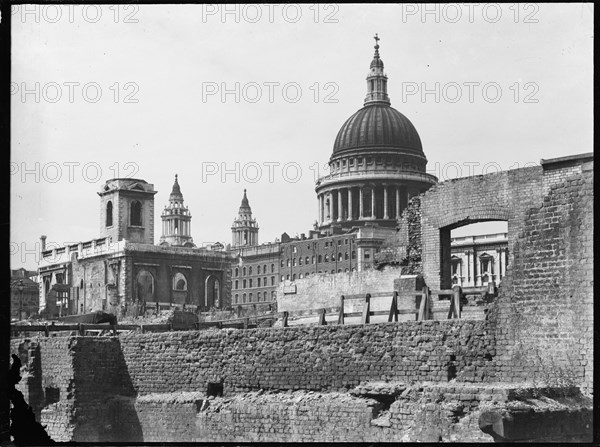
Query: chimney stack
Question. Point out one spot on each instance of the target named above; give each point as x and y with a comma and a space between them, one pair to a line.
43, 240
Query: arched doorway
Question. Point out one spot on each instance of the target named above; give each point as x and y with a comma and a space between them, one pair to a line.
180, 288
212, 292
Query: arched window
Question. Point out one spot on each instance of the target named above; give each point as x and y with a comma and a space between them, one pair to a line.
339, 256
237, 284
250, 284
300, 260
235, 300
135, 215
326, 258
237, 271
244, 298
109, 214
179, 282
272, 268
294, 277
244, 271
313, 260
258, 270
244, 284
346, 256
306, 275
301, 276
249, 270
258, 282
307, 260
145, 286
258, 296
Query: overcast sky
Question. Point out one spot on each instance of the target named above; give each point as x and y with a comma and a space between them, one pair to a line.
154, 90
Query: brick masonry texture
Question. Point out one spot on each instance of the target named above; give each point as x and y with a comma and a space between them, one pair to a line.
544, 315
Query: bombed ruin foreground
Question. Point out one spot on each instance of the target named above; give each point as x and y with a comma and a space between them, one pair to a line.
520, 371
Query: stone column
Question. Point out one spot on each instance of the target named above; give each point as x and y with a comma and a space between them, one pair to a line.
385, 202
349, 203
496, 267
361, 211
373, 202
340, 206
397, 202
319, 210
471, 258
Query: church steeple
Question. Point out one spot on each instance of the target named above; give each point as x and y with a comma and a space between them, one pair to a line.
176, 220
244, 230
376, 80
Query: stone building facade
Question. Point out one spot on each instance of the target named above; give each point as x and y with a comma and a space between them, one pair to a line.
123, 271
478, 260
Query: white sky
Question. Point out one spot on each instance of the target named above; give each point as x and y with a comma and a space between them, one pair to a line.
171, 54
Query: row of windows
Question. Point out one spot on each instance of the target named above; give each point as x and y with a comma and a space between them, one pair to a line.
293, 277
248, 298
321, 258
249, 270
308, 247
385, 161
259, 283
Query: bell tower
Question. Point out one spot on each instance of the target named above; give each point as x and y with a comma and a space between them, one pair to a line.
176, 220
244, 229
127, 210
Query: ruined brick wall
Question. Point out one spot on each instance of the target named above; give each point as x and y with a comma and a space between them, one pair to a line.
324, 291
544, 317
500, 196
545, 311
310, 358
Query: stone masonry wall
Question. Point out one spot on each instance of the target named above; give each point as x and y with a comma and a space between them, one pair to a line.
324, 291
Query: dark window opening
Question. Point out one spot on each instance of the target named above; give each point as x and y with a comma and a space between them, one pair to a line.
52, 395
214, 389
136, 214
109, 214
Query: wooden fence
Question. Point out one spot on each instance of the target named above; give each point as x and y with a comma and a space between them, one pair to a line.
422, 310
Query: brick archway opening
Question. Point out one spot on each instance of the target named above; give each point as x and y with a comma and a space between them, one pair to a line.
483, 259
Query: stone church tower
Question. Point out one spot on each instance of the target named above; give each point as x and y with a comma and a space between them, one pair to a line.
176, 220
244, 229
127, 210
